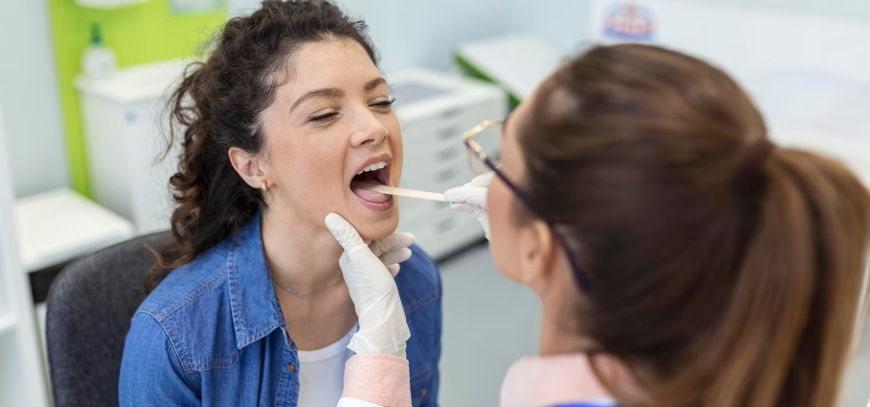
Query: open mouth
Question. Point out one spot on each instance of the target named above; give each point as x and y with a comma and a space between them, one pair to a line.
377, 172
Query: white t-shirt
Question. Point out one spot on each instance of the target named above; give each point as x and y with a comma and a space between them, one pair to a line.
321, 373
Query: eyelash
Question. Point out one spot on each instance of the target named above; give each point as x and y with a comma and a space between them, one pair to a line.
324, 118
387, 103
328, 116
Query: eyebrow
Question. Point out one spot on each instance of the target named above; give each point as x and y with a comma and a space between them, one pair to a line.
334, 92
325, 92
374, 83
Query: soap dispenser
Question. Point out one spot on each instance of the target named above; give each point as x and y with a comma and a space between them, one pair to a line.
97, 61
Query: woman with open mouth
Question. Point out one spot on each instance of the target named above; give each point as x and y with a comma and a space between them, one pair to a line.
278, 127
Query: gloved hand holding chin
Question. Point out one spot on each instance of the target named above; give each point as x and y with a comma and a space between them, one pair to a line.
368, 271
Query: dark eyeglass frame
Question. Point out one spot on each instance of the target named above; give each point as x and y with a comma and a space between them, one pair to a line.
477, 151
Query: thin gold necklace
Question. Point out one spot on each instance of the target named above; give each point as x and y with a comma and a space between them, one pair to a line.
304, 295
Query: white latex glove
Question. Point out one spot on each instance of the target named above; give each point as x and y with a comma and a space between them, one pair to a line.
471, 198
393, 250
382, 324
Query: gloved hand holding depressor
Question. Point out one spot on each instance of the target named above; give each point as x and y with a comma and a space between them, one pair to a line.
382, 324
471, 198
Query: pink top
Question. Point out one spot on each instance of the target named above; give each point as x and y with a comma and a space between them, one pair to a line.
531, 381
551, 380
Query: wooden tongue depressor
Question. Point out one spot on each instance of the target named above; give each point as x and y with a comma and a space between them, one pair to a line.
410, 193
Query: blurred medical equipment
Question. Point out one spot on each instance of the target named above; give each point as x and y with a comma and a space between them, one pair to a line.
517, 62
409, 193
435, 109
23, 382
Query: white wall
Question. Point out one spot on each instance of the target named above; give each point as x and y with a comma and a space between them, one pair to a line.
858, 9
406, 32
28, 92
565, 22
418, 33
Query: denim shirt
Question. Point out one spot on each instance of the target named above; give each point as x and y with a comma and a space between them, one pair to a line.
212, 333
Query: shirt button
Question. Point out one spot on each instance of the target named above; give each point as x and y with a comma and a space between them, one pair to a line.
423, 392
292, 367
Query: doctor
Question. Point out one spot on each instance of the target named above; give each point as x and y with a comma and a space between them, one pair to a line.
680, 257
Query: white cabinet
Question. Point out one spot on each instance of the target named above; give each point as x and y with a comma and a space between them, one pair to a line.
108, 4
56, 227
435, 110
122, 117
22, 378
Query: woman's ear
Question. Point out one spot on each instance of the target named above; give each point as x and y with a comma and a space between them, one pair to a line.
538, 257
249, 167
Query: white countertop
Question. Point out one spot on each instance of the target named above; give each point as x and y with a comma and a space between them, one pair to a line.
135, 83
59, 225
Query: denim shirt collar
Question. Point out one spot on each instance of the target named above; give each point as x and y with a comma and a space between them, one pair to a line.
255, 308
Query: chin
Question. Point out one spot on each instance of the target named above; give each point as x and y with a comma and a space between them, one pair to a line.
379, 227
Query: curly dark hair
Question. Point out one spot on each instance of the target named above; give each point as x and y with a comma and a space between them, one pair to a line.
217, 106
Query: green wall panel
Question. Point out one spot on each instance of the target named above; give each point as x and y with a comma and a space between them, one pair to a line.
137, 34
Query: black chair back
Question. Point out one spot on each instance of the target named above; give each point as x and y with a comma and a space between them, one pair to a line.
89, 309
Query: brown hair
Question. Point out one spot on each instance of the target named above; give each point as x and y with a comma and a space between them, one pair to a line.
724, 271
218, 106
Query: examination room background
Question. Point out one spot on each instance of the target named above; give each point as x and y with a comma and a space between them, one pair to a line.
45, 142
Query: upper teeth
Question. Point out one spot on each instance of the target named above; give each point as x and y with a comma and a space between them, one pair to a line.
373, 167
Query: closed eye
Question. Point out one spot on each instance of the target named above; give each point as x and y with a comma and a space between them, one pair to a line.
384, 104
323, 117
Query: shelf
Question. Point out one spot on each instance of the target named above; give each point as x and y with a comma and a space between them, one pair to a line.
7, 324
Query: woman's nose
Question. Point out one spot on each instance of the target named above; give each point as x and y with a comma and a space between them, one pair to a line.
369, 131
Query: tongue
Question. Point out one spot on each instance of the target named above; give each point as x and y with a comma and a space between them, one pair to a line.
359, 188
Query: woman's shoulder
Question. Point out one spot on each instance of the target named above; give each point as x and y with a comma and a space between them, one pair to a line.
187, 310
185, 286
419, 281
179, 328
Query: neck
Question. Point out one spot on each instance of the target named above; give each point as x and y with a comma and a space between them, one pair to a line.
561, 333
301, 256
559, 336
560, 328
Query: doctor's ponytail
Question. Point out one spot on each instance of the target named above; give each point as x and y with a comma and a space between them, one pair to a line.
790, 328
724, 271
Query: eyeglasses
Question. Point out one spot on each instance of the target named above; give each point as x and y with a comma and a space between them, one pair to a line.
483, 143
